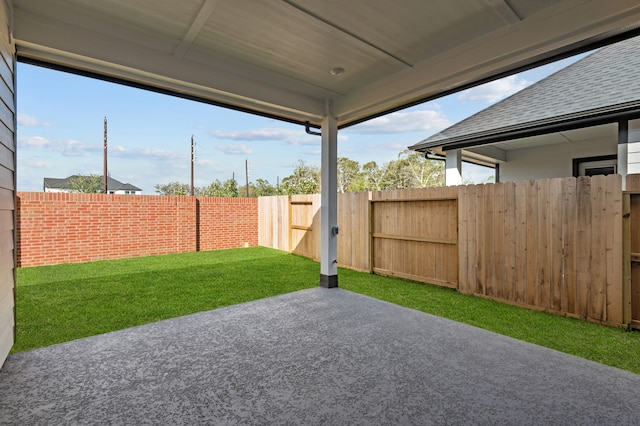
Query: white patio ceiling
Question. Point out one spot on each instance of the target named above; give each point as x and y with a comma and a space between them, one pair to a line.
274, 57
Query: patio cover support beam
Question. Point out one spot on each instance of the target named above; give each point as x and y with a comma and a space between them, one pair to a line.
623, 151
329, 200
453, 165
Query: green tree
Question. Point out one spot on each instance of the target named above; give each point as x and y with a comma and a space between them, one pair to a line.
91, 184
348, 175
218, 188
173, 188
304, 180
371, 178
421, 172
261, 188
412, 170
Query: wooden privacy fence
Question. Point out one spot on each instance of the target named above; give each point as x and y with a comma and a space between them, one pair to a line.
552, 244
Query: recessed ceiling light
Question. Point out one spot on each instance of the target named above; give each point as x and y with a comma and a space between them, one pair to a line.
337, 71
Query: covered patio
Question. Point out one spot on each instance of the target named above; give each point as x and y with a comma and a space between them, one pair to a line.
315, 356
318, 356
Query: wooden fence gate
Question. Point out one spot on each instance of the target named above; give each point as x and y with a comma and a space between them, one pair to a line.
416, 239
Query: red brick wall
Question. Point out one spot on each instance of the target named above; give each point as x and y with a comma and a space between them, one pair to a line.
58, 228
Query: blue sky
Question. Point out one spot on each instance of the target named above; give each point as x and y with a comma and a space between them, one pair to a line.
60, 132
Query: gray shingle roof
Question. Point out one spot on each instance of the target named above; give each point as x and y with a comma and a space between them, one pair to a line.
112, 184
607, 80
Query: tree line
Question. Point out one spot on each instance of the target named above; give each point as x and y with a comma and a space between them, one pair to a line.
410, 170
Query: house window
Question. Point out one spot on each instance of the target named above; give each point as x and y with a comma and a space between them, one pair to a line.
591, 166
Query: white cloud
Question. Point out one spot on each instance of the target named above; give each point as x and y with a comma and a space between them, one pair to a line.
288, 136
148, 153
204, 162
73, 148
403, 122
69, 147
235, 149
269, 134
34, 141
29, 121
27, 162
494, 90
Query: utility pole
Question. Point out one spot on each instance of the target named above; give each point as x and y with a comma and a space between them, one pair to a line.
193, 158
104, 172
246, 172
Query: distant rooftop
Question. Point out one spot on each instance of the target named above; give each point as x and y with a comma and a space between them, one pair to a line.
112, 184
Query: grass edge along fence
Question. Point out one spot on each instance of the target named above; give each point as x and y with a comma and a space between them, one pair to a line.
55, 228
552, 244
65, 302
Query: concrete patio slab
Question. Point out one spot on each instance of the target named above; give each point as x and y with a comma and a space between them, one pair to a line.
319, 356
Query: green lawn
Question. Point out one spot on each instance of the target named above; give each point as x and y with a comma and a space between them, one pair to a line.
66, 302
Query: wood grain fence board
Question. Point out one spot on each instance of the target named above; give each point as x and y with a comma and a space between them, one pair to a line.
346, 233
570, 220
532, 243
481, 270
510, 237
463, 240
472, 241
489, 239
598, 264
521, 208
556, 288
498, 241
633, 182
544, 229
613, 193
583, 245
626, 258
634, 243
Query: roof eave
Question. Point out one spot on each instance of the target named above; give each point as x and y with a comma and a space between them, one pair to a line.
556, 124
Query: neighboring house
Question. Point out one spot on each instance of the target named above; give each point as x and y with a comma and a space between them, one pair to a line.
582, 120
113, 186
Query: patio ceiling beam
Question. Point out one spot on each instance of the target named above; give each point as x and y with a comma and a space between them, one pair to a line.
508, 15
201, 18
488, 151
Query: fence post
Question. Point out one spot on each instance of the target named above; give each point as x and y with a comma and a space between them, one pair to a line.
626, 258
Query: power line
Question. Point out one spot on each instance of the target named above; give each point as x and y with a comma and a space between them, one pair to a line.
193, 159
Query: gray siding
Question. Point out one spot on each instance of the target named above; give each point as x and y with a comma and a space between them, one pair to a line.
7, 184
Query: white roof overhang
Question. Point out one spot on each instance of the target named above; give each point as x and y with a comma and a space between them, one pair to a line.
274, 57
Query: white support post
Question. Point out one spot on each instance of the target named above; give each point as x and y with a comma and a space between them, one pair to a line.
623, 151
453, 165
329, 201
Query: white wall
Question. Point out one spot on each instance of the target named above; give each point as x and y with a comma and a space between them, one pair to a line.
552, 161
633, 153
